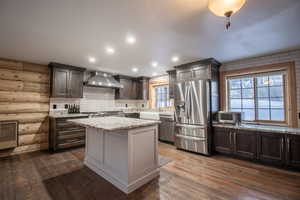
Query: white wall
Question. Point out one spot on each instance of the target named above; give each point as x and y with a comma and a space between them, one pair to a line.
288, 56
98, 99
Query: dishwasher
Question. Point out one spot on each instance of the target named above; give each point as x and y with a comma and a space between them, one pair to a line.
167, 128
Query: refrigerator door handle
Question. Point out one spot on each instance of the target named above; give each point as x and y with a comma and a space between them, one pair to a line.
188, 102
185, 105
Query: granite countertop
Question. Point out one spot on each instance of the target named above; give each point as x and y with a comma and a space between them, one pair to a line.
113, 123
263, 128
68, 115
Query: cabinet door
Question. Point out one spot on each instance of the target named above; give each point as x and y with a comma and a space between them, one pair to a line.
271, 148
293, 150
245, 144
60, 82
139, 90
223, 140
76, 84
125, 92
134, 90
142, 89
172, 80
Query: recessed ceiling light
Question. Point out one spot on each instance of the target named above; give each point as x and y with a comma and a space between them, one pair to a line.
154, 74
92, 59
135, 69
175, 59
130, 39
154, 64
110, 50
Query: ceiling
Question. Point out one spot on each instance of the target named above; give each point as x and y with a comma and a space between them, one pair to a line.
69, 31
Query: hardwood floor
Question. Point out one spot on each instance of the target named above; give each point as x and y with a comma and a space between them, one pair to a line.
44, 176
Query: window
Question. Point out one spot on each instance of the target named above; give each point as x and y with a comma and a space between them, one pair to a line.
162, 96
259, 97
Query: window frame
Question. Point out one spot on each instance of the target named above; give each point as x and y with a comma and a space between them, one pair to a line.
254, 75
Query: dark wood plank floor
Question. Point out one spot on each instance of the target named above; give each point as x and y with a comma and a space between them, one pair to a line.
63, 176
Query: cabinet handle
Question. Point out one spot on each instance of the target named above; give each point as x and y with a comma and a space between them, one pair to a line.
282, 145
288, 145
230, 136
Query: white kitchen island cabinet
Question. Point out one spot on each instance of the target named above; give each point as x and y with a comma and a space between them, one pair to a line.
122, 150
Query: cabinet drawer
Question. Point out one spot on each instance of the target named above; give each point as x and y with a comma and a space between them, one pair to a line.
71, 135
71, 129
193, 144
190, 130
71, 143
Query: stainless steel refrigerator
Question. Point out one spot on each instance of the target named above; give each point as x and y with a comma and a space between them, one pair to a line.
196, 101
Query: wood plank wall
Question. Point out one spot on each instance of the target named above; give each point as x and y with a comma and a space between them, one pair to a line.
24, 96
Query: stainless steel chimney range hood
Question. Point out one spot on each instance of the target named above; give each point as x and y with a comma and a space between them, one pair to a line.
103, 80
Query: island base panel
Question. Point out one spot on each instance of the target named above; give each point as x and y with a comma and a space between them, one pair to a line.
127, 158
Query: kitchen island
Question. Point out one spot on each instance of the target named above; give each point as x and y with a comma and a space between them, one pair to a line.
121, 150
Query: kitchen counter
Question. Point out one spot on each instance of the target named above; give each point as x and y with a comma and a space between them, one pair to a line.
121, 150
263, 128
68, 115
114, 123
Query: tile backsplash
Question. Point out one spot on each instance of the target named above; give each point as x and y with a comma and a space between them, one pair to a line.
98, 99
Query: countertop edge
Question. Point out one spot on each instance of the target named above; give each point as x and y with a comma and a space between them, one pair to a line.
288, 131
116, 129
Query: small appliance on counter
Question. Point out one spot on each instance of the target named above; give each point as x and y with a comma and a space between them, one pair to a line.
225, 117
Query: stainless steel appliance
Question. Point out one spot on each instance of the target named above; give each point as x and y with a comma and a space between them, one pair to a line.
229, 117
102, 79
196, 100
167, 128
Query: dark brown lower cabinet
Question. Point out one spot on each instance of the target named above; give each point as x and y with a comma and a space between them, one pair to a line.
223, 140
245, 144
64, 134
271, 148
276, 149
293, 151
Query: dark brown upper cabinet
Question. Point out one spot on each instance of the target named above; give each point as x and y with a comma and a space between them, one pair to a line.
172, 82
66, 81
133, 88
142, 88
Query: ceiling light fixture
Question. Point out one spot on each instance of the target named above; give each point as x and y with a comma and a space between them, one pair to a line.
135, 69
175, 59
130, 39
154, 74
154, 64
225, 8
110, 50
92, 59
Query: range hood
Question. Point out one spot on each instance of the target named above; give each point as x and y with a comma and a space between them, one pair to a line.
102, 79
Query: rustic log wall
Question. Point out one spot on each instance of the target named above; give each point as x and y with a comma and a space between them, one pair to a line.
24, 96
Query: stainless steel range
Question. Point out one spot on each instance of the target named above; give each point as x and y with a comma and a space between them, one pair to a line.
196, 100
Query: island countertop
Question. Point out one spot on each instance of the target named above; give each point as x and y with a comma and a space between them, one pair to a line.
113, 123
